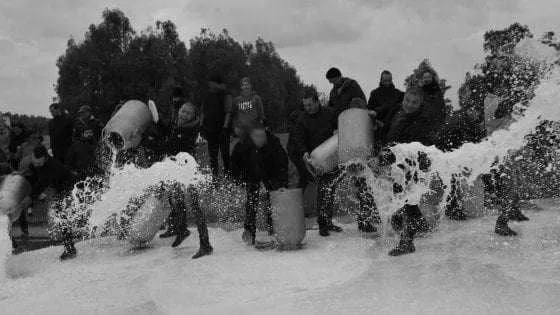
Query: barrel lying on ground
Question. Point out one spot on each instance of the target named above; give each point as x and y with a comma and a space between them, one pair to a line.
148, 220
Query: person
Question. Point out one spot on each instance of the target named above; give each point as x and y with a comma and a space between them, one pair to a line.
49, 173
61, 127
343, 91
432, 116
181, 137
247, 109
293, 153
178, 98
81, 157
259, 158
315, 126
215, 123
86, 120
385, 101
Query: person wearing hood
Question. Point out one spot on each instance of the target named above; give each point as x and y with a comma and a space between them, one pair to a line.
343, 91
259, 159
81, 157
86, 120
61, 127
385, 101
315, 126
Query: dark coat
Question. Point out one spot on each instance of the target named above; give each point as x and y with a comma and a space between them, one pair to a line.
422, 126
268, 164
180, 138
60, 132
311, 130
342, 94
385, 101
81, 158
217, 104
17, 140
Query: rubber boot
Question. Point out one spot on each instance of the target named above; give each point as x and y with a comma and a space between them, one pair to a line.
180, 238
69, 252
502, 227
516, 214
204, 250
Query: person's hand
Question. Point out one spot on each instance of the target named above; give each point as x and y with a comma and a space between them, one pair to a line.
306, 157
372, 113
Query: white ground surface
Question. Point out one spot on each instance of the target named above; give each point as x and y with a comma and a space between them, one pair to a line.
463, 268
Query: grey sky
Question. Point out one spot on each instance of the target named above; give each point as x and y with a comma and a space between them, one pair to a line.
361, 37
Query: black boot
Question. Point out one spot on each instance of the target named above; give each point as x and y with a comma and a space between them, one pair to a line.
456, 214
502, 227
334, 228
517, 215
405, 246
167, 234
180, 238
69, 252
324, 231
203, 251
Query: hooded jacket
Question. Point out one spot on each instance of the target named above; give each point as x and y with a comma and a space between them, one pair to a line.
342, 94
311, 130
268, 164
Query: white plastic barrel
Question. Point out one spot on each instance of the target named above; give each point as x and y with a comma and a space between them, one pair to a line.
324, 158
125, 129
13, 191
148, 220
355, 135
288, 218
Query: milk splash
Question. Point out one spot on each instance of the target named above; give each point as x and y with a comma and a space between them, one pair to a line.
470, 160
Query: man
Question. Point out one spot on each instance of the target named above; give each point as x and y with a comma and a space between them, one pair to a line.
259, 158
215, 123
49, 173
81, 157
315, 126
61, 127
385, 101
86, 120
343, 91
247, 109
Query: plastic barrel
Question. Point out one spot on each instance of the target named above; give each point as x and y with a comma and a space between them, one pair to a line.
324, 158
288, 218
148, 220
355, 135
125, 129
13, 190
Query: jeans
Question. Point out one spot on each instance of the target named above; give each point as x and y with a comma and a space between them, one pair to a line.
251, 207
325, 198
218, 143
179, 214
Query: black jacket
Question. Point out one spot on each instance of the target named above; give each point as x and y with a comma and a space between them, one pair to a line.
310, 131
81, 158
385, 101
268, 164
342, 94
60, 132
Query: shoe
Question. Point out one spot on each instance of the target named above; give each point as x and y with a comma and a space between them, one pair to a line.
248, 238
504, 230
334, 228
404, 247
518, 216
180, 238
324, 232
366, 227
203, 251
69, 253
167, 234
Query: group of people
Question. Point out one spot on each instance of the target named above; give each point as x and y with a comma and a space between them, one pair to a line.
259, 160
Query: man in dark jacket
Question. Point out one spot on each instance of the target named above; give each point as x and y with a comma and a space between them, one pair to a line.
313, 128
60, 132
260, 158
343, 91
86, 120
81, 157
385, 101
49, 173
216, 123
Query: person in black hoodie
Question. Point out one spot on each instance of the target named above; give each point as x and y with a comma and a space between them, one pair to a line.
313, 128
61, 127
343, 91
259, 158
385, 101
49, 173
216, 123
81, 157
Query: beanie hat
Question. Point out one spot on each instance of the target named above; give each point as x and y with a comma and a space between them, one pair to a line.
333, 73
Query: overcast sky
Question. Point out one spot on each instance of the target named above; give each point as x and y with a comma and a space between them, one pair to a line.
360, 37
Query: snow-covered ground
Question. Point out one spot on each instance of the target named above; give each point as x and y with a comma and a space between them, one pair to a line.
463, 268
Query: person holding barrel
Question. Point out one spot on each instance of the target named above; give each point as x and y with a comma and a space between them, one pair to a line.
259, 159
315, 126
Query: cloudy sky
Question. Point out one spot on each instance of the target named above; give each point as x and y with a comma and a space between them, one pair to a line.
361, 37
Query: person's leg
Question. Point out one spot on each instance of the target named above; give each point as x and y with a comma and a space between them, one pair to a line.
454, 206
406, 245
325, 203
268, 213
23, 224
251, 213
179, 208
301, 170
213, 148
368, 215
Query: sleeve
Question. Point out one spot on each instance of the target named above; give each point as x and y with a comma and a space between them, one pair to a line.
228, 109
298, 139
371, 102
